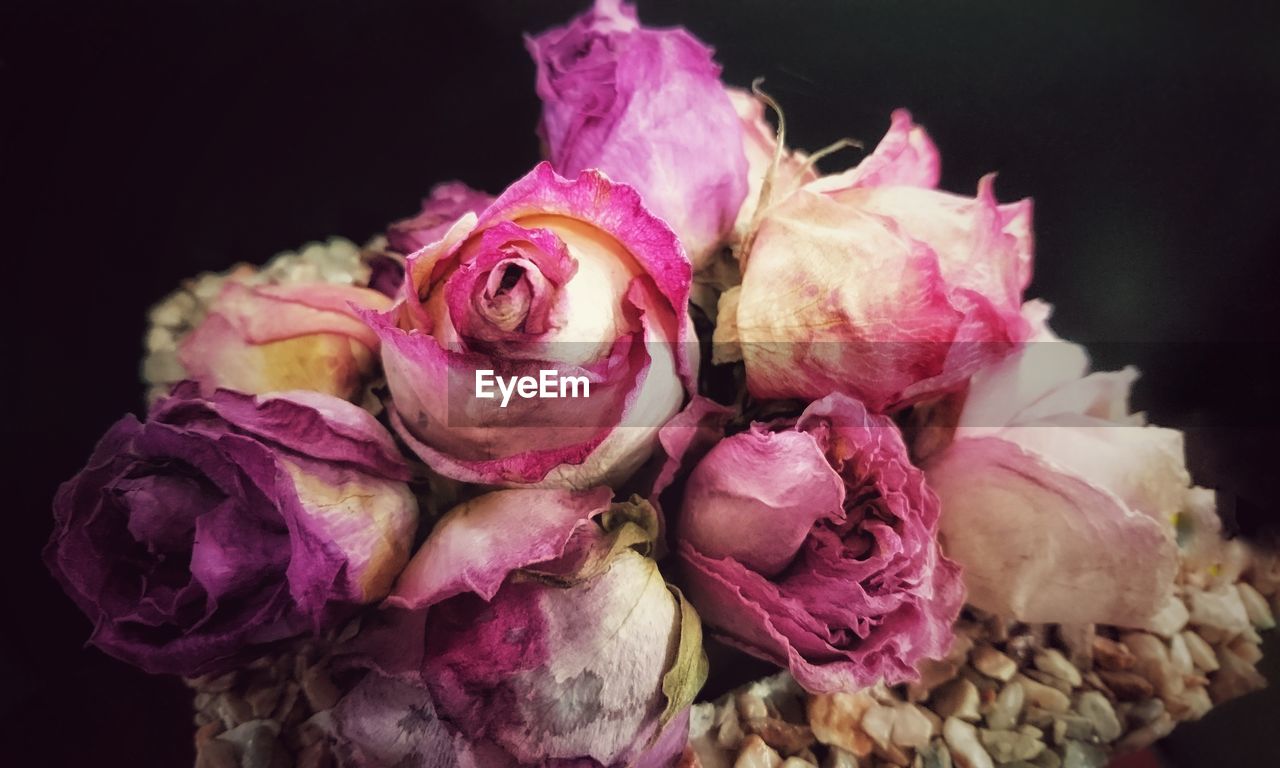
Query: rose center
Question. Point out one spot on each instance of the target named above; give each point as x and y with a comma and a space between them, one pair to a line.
506, 298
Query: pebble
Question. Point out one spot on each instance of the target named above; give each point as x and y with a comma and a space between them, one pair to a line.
1111, 655
1170, 619
1080, 755
1051, 661
1043, 696
958, 698
1127, 686
936, 755
912, 728
836, 720
1202, 655
1003, 713
1006, 746
1101, 715
962, 740
756, 754
993, 663
1220, 609
1255, 606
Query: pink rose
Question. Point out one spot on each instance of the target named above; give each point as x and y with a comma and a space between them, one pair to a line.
549, 638
270, 338
646, 107
572, 277
1069, 518
812, 544
874, 284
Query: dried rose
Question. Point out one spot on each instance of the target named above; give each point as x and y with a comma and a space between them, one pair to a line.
645, 106
874, 284
1056, 500
272, 338
574, 278
446, 204
550, 636
760, 144
227, 522
812, 544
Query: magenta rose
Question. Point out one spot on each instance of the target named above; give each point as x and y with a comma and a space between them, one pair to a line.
551, 638
813, 544
1070, 520
572, 277
645, 106
228, 522
875, 284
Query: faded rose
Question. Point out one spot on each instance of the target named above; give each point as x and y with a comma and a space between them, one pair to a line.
271, 338
570, 276
550, 639
446, 204
645, 106
1057, 501
812, 544
228, 522
874, 284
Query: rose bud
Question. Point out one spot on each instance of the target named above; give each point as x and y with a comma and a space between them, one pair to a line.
550, 636
446, 204
645, 106
272, 338
1057, 501
227, 522
574, 278
874, 284
812, 544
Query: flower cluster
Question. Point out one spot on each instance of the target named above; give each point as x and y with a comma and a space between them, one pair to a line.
906, 434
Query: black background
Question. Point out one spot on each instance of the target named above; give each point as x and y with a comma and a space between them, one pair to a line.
145, 141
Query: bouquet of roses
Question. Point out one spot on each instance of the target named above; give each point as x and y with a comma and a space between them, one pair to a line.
476, 493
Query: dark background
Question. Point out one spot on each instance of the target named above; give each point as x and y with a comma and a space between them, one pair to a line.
141, 142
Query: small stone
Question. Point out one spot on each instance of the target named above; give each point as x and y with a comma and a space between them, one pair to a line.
1004, 712
836, 717
1071, 726
1101, 715
1221, 609
838, 758
1246, 649
217, 754
877, 722
993, 663
935, 755
1236, 678
1170, 619
1108, 654
1128, 686
962, 740
1043, 696
1006, 746
1080, 755
1202, 655
756, 754
1180, 656
1146, 735
958, 698
912, 728
1255, 606
1078, 640
1052, 661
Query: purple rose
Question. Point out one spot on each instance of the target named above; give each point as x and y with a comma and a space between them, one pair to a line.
813, 544
567, 276
224, 523
645, 106
447, 203
550, 639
